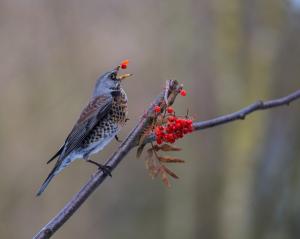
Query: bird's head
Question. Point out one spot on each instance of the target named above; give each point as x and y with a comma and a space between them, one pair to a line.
109, 82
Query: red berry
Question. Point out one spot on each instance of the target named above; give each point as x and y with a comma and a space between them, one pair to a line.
170, 138
171, 118
183, 122
170, 110
185, 130
157, 131
189, 121
124, 64
158, 141
169, 130
157, 109
183, 92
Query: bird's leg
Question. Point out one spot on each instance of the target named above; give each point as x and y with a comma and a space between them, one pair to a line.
117, 138
106, 169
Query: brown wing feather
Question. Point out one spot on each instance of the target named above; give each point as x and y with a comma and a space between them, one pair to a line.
90, 116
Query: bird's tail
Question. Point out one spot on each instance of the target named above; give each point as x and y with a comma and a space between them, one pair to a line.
54, 171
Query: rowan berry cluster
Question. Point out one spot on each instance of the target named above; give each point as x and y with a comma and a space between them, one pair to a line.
175, 128
167, 128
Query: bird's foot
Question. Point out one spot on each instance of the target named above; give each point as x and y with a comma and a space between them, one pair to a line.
105, 168
117, 138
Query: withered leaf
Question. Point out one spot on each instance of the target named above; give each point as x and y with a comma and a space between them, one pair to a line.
150, 153
141, 144
140, 150
168, 171
145, 133
167, 147
170, 159
153, 167
165, 179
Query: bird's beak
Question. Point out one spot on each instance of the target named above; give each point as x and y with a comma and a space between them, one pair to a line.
124, 76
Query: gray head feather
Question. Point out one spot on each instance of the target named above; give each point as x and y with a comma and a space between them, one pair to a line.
106, 84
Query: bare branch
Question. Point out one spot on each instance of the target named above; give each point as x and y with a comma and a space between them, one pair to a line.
133, 139
241, 114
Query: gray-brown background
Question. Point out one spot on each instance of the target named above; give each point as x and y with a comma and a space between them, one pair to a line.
241, 180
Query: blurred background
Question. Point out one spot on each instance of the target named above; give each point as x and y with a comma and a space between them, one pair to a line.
240, 180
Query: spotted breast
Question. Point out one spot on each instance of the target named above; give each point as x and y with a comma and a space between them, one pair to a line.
113, 121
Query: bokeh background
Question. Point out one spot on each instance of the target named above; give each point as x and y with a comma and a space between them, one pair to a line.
241, 180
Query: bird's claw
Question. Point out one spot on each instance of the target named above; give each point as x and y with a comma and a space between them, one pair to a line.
117, 138
106, 169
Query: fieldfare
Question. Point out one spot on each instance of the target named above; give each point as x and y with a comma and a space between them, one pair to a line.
98, 124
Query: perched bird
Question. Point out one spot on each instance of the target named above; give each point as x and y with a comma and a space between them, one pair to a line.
98, 124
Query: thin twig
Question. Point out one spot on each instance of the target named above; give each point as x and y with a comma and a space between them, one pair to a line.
133, 140
241, 114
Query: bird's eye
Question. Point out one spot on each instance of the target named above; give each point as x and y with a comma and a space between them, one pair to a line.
113, 76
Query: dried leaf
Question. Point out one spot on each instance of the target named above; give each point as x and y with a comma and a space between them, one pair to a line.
168, 171
170, 160
150, 153
145, 134
140, 150
165, 179
168, 147
141, 144
153, 166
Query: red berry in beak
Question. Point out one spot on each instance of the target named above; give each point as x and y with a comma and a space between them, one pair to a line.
124, 64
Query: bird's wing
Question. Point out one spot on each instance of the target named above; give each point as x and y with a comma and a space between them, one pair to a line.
56, 154
90, 116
